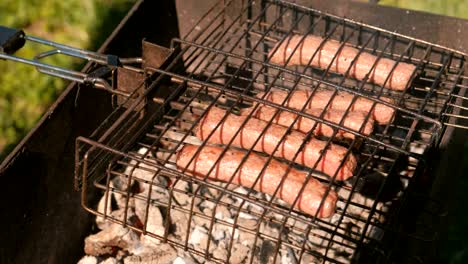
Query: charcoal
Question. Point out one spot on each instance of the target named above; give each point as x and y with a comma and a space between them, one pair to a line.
179, 220
200, 221
245, 204
308, 258
114, 235
88, 260
222, 213
220, 253
154, 225
199, 237
182, 198
206, 207
100, 221
118, 185
162, 254
288, 256
109, 260
103, 243
146, 249
184, 257
239, 253
267, 251
220, 232
388, 186
208, 192
247, 223
246, 216
179, 260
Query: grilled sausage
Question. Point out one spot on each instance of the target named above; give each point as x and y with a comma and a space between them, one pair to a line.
308, 202
381, 113
329, 159
353, 120
398, 80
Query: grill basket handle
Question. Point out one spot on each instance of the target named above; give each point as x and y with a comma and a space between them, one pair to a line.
11, 40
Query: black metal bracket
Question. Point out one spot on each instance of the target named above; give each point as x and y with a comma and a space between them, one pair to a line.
11, 40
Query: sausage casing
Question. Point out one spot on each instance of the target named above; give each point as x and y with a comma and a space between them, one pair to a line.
270, 179
328, 159
400, 75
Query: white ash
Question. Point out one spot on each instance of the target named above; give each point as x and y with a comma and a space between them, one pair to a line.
179, 222
118, 185
220, 232
239, 253
145, 174
226, 214
180, 193
230, 230
288, 257
179, 260
154, 187
198, 220
110, 260
250, 206
199, 235
162, 254
154, 225
113, 235
88, 260
222, 213
308, 258
103, 242
186, 257
207, 205
220, 252
104, 207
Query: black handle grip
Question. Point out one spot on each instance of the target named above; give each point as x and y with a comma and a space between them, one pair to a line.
11, 40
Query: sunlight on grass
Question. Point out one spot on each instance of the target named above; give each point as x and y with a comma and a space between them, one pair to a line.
25, 94
455, 8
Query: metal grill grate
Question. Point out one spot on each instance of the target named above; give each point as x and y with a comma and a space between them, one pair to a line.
226, 65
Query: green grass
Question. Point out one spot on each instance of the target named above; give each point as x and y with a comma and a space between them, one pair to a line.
455, 8
25, 94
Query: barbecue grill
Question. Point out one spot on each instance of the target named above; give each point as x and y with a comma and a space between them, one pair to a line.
128, 162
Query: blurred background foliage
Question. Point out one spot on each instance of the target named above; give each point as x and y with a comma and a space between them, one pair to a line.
455, 8
25, 94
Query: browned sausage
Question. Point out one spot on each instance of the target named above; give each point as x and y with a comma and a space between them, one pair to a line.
381, 113
399, 79
329, 159
308, 202
353, 120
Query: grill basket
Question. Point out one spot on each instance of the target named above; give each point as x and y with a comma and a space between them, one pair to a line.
223, 62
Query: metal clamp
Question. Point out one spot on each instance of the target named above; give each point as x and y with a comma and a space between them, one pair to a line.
12, 40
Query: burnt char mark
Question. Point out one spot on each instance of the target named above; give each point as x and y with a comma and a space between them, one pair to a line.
369, 186
241, 79
266, 251
418, 81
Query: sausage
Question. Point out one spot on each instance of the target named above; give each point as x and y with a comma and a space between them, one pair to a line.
398, 80
225, 169
381, 113
353, 120
329, 159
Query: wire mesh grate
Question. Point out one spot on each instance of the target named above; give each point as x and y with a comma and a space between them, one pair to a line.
227, 67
